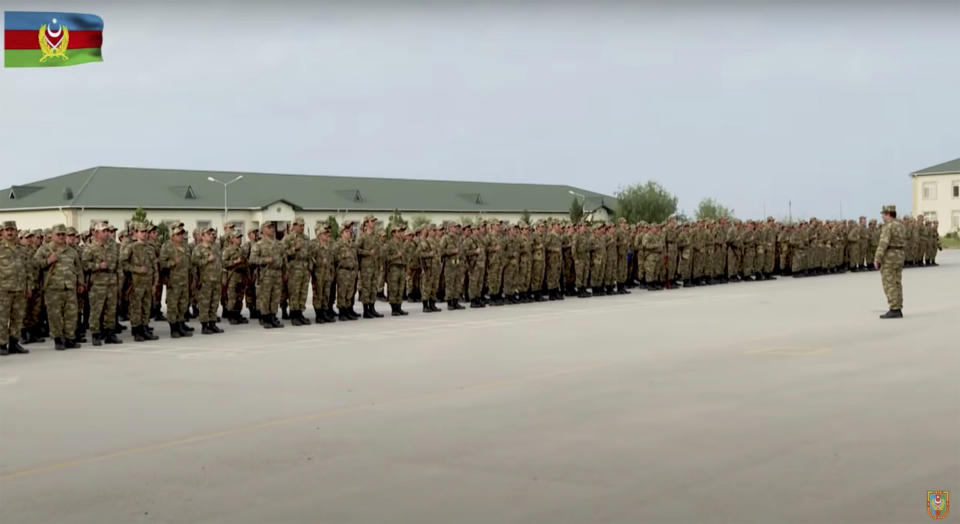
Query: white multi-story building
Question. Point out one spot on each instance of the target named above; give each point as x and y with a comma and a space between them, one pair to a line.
936, 195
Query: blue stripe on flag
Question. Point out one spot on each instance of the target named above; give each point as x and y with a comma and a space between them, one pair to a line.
32, 20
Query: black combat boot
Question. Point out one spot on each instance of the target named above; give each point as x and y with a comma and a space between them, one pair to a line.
207, 328
97, 339
345, 314
69, 343
373, 310
295, 318
304, 321
276, 321
426, 307
15, 347
137, 332
174, 332
58, 344
254, 313
3, 350
320, 316
285, 315
366, 311
893, 313
331, 316
396, 311
111, 338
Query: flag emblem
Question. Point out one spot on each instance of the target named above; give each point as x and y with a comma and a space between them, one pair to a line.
45, 39
938, 504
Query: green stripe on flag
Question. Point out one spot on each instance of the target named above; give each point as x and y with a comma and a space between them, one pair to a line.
31, 57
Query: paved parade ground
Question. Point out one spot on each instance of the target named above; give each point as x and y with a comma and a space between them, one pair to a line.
784, 401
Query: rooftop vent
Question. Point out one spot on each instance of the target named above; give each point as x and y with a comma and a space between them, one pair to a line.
67, 193
190, 194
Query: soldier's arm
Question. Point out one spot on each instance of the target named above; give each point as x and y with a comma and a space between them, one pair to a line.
882, 246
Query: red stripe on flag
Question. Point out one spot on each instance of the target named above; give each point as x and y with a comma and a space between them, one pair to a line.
14, 39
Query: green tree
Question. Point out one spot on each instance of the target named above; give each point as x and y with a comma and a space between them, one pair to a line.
525, 217
648, 202
576, 210
334, 227
139, 215
163, 232
466, 221
710, 209
396, 219
417, 221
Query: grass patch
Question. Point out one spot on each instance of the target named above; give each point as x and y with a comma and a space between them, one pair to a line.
950, 242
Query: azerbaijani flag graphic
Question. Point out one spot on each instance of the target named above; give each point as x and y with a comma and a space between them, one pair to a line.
35, 39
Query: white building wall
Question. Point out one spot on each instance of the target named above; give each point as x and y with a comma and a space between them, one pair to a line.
938, 200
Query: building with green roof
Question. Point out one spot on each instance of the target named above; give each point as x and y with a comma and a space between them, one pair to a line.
196, 198
936, 195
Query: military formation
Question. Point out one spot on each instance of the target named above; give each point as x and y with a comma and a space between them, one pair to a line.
61, 284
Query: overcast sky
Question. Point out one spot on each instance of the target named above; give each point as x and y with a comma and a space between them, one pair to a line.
755, 104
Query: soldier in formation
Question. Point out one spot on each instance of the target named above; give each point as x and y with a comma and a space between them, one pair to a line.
58, 283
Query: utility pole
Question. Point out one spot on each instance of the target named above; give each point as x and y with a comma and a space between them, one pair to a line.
790, 210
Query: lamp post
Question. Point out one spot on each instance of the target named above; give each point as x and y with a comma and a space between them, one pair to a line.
224, 184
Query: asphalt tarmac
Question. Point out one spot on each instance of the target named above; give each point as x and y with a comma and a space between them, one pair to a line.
784, 401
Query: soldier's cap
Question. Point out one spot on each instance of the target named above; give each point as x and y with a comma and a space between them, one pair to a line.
254, 230
889, 208
346, 224
71, 230
59, 229
770, 219
268, 224
26, 233
208, 229
177, 230
101, 226
9, 224
298, 221
369, 218
229, 225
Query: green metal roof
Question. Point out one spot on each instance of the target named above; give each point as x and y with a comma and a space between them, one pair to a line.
122, 187
953, 166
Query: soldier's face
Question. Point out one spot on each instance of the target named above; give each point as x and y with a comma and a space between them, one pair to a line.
298, 229
9, 234
59, 238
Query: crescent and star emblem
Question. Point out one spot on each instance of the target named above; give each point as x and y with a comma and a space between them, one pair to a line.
53, 43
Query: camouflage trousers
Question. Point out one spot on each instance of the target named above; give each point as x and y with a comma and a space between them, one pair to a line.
346, 287
367, 283
698, 266
510, 270
412, 280
269, 291
494, 275
581, 271
652, 267
537, 270
13, 305
429, 280
769, 257
141, 301
597, 269
475, 278
452, 279
733, 262
610, 269
685, 264
891, 275
250, 290
621, 266
796, 260
784, 255
103, 307
62, 311
298, 281
395, 281
553, 268
854, 257
749, 261
34, 309
523, 273
208, 300
178, 298
568, 271
672, 261
235, 287
321, 284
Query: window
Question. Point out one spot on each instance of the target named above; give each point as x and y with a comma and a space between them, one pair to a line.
202, 224
956, 189
929, 216
955, 221
929, 190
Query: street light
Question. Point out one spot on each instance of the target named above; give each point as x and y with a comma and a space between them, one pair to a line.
225, 184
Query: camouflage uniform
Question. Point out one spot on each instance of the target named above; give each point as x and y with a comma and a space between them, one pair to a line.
392, 254
269, 258
367, 246
890, 256
323, 272
60, 281
206, 258
553, 251
176, 261
101, 262
494, 270
235, 275
449, 249
347, 264
297, 249
13, 288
